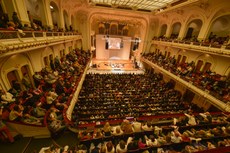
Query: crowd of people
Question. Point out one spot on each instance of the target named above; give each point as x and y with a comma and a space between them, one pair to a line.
187, 133
41, 99
128, 98
215, 84
16, 24
212, 41
117, 96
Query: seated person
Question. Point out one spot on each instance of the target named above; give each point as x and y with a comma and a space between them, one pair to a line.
191, 119
55, 120
84, 135
50, 79
6, 97
15, 114
49, 100
109, 147
16, 86
53, 116
4, 129
176, 136
59, 105
53, 93
117, 131
37, 79
97, 134
141, 144
26, 82
136, 126
95, 149
81, 149
151, 141
132, 145
206, 117
121, 147
29, 118
13, 92
38, 111
27, 97
126, 127
11, 26
19, 102
147, 127
107, 129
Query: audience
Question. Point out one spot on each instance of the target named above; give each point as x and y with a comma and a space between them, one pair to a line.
215, 84
103, 103
28, 105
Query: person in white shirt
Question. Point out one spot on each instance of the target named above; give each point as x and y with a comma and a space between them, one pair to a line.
191, 119
176, 136
206, 117
117, 131
53, 93
157, 130
151, 141
49, 99
136, 126
7, 97
147, 127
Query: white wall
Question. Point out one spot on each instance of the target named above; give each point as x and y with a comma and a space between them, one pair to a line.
120, 54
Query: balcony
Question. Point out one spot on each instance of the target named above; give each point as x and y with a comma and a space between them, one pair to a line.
20, 41
222, 50
189, 85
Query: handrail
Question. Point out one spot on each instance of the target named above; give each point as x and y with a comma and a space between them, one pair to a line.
76, 93
12, 40
12, 34
201, 46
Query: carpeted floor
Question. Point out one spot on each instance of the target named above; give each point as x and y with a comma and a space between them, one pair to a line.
18, 146
31, 145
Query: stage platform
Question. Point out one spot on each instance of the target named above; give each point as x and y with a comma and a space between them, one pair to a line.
114, 66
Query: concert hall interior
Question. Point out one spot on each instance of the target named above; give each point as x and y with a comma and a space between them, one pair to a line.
114, 76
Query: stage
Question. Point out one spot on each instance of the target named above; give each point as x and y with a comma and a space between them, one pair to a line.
114, 66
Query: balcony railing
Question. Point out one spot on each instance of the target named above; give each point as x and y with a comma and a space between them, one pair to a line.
17, 39
200, 46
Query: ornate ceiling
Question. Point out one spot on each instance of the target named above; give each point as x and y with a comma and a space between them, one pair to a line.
133, 5
144, 5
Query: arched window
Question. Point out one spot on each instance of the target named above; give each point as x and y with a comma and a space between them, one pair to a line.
46, 61
113, 29
101, 28
125, 31
198, 66
183, 59
206, 67
13, 76
178, 59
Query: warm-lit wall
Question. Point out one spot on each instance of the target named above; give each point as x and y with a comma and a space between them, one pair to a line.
103, 53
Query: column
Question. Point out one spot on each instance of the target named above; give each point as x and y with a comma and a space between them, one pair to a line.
168, 31
62, 22
18, 6
203, 34
182, 32
48, 18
